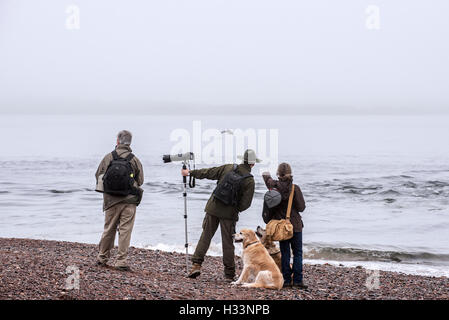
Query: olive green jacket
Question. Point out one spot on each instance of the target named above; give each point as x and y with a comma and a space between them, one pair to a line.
109, 200
216, 207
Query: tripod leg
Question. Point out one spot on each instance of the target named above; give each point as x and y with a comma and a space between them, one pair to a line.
185, 221
186, 233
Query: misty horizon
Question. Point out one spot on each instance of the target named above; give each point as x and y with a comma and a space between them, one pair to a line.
116, 108
210, 57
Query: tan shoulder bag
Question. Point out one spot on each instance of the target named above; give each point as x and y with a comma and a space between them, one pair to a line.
280, 230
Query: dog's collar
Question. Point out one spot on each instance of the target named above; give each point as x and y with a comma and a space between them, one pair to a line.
251, 244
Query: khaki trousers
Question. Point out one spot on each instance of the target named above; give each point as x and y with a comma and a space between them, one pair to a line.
121, 215
227, 227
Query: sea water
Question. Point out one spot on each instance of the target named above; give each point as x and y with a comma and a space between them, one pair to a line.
376, 187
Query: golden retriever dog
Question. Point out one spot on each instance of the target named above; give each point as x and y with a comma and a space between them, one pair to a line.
258, 266
271, 247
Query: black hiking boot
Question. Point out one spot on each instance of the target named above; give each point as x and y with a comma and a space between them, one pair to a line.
300, 285
123, 268
229, 278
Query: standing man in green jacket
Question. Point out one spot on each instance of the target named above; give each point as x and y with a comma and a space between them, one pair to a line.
218, 213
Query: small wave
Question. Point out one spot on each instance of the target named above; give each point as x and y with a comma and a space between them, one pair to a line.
3, 192
412, 269
353, 254
401, 176
176, 188
410, 184
70, 190
390, 192
437, 184
66, 191
364, 190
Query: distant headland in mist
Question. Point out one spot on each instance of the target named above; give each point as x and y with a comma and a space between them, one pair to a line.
164, 108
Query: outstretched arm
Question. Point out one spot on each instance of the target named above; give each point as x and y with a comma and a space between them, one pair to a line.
214, 173
269, 182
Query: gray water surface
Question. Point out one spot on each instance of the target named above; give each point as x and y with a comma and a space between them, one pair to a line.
376, 187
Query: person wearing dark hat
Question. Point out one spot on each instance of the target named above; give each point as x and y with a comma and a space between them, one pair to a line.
220, 213
275, 208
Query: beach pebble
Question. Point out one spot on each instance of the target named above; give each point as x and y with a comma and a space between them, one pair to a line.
37, 269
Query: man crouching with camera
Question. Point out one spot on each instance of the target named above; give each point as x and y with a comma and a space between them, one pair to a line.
233, 194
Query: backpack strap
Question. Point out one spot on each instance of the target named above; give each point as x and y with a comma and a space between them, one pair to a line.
114, 155
129, 157
290, 201
243, 176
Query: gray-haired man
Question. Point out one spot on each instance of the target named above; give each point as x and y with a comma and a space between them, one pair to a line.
120, 210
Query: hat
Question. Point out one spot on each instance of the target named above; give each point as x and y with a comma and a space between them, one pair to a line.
249, 157
284, 169
272, 198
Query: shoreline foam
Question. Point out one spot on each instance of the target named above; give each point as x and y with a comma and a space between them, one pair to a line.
421, 269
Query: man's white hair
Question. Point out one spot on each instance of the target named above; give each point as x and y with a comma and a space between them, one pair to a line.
124, 137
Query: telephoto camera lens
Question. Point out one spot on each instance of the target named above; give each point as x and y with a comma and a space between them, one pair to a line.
166, 158
188, 156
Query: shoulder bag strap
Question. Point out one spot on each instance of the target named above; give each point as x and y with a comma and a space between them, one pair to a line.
290, 201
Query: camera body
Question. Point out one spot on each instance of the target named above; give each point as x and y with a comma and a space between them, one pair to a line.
178, 157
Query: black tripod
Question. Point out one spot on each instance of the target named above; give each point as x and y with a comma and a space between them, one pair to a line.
184, 194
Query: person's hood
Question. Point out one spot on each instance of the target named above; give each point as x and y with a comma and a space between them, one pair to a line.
122, 148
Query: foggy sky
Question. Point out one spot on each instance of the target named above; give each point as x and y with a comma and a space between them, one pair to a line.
210, 55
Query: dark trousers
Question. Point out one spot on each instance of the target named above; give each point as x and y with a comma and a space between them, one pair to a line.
210, 226
294, 244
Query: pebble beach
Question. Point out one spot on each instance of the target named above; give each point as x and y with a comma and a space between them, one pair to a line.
42, 270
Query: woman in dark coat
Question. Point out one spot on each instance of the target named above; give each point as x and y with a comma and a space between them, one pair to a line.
283, 185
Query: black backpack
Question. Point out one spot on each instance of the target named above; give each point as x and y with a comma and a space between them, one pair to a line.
228, 190
119, 177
